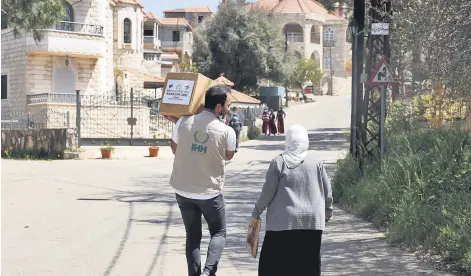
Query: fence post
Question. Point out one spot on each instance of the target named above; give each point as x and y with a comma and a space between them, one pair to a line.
68, 119
78, 118
132, 116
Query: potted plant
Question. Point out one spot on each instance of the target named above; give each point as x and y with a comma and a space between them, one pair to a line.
106, 150
153, 149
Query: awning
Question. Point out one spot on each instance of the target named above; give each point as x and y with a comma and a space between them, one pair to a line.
151, 82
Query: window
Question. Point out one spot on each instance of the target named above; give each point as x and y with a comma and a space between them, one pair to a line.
4, 20
68, 17
329, 34
327, 61
176, 36
127, 30
4, 87
200, 18
69, 12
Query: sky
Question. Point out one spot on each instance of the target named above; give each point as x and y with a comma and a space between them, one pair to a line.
158, 6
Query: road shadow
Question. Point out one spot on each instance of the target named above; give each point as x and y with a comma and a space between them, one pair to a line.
322, 139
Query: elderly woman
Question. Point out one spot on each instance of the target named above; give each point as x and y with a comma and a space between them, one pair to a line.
298, 195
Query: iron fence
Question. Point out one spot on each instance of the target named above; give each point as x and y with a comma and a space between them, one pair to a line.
131, 118
16, 118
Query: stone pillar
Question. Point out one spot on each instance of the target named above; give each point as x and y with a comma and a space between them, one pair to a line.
307, 38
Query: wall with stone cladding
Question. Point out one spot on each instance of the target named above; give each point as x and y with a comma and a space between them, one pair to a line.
339, 51
40, 75
44, 142
14, 65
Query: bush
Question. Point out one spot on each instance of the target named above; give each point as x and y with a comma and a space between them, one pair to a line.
422, 192
254, 132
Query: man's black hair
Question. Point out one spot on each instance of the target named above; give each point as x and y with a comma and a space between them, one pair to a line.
216, 95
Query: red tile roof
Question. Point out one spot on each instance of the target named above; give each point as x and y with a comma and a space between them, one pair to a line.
174, 22
150, 16
192, 9
239, 97
149, 78
295, 7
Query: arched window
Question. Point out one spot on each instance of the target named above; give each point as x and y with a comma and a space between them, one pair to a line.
127, 30
69, 12
329, 34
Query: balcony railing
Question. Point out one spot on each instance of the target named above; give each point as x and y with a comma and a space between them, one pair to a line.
151, 56
172, 44
79, 28
60, 98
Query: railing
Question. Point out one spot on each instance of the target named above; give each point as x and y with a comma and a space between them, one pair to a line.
295, 37
60, 98
79, 28
151, 40
172, 44
151, 56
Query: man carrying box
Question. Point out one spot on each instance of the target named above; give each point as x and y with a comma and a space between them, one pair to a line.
202, 144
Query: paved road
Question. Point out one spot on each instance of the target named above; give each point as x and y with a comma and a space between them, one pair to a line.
119, 217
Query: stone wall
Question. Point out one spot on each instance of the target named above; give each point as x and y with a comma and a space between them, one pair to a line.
40, 79
39, 142
14, 66
338, 52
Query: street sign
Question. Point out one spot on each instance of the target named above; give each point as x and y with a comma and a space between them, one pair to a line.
382, 75
380, 28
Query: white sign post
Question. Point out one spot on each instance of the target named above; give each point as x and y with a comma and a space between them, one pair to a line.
382, 77
380, 28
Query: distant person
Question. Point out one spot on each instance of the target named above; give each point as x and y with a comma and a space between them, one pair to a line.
266, 122
237, 126
298, 195
202, 144
280, 117
272, 124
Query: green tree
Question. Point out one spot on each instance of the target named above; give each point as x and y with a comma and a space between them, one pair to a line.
305, 71
247, 44
32, 15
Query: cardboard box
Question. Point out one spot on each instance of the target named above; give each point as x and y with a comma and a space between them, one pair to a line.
184, 93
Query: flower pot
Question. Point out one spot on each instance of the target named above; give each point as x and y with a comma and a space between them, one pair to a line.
153, 151
106, 153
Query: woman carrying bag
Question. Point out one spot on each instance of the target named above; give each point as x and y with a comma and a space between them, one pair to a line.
298, 195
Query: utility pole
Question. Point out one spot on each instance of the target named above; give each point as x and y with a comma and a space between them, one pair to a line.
375, 95
358, 35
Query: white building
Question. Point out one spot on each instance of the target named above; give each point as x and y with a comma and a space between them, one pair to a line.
102, 47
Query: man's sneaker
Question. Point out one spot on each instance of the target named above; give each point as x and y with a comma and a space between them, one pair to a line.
204, 274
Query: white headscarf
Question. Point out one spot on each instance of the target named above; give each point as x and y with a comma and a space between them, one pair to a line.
297, 145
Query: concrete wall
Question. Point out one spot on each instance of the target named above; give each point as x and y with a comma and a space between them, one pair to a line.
43, 142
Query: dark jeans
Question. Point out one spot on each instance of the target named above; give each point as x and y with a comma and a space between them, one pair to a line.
214, 213
237, 139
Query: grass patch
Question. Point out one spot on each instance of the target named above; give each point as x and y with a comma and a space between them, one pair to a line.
421, 194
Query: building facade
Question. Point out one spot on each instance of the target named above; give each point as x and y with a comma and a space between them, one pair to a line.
313, 32
103, 48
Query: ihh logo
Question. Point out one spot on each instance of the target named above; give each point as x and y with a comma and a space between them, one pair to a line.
199, 148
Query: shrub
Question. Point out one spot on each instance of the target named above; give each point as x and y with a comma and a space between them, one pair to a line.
422, 192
